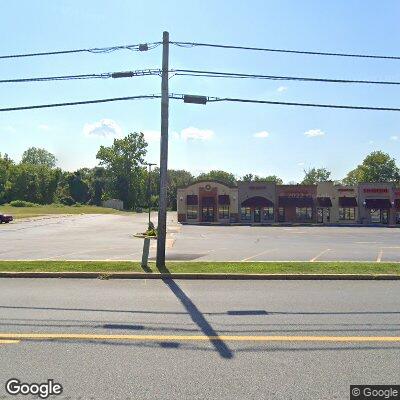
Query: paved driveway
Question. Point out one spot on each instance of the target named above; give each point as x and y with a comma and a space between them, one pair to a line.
78, 237
110, 237
247, 243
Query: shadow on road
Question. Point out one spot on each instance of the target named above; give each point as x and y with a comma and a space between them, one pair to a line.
197, 316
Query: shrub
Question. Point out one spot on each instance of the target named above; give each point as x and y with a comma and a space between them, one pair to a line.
22, 203
67, 200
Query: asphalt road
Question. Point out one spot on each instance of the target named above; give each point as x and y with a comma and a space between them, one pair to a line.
166, 362
110, 237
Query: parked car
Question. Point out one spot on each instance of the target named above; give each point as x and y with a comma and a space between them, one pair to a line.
5, 218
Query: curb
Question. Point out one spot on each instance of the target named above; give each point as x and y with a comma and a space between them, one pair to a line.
194, 276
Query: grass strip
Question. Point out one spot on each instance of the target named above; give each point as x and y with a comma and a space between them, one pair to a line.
54, 209
206, 267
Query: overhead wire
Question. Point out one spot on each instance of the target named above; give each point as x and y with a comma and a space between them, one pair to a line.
274, 50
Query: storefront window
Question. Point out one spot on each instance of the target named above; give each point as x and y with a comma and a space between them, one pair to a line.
375, 215
398, 217
347, 214
245, 213
223, 212
192, 212
304, 213
268, 213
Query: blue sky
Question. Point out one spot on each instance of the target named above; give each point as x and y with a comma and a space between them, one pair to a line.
215, 136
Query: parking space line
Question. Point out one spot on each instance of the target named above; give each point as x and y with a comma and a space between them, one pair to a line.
256, 255
319, 255
9, 341
380, 254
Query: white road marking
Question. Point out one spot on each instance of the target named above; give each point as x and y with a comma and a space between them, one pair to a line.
380, 254
319, 255
256, 255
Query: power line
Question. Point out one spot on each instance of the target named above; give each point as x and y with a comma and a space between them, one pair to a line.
208, 99
213, 74
126, 74
314, 53
95, 50
75, 103
282, 103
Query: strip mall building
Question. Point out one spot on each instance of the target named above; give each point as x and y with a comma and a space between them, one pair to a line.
267, 203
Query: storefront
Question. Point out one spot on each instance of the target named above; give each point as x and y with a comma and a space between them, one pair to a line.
396, 209
207, 201
376, 203
296, 203
336, 204
257, 202
267, 203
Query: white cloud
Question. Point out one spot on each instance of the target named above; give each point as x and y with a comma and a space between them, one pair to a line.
395, 138
282, 89
196, 134
300, 164
314, 133
43, 127
103, 128
262, 134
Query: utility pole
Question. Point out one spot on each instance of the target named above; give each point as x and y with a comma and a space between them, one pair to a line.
162, 209
149, 189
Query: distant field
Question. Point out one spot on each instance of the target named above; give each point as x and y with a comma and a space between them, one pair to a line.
52, 209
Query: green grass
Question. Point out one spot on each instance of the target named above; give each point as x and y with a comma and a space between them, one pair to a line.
208, 267
53, 209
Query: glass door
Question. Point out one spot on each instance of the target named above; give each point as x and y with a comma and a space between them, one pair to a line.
208, 214
385, 216
320, 215
257, 215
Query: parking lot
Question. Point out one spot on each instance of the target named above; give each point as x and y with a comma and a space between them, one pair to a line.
110, 237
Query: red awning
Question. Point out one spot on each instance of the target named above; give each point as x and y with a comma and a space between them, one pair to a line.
287, 201
223, 200
347, 202
257, 201
377, 203
192, 200
324, 202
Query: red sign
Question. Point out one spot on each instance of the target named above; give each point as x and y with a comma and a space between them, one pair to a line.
375, 190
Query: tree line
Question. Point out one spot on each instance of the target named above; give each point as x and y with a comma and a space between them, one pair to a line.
121, 174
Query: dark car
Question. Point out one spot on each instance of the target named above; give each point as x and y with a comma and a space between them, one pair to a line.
5, 218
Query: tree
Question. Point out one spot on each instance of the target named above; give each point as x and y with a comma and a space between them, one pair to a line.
314, 175
5, 170
34, 183
177, 178
122, 161
256, 178
376, 167
38, 156
218, 175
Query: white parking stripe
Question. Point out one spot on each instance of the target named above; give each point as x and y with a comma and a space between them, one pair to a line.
319, 255
380, 254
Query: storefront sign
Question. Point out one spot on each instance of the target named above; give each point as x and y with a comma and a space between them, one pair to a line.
257, 187
376, 190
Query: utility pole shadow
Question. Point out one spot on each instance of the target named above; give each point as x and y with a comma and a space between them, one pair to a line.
197, 316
